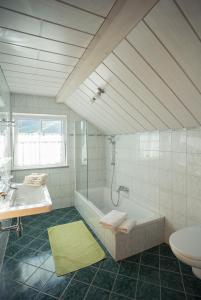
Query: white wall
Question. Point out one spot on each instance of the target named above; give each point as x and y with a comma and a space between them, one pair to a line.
60, 180
163, 173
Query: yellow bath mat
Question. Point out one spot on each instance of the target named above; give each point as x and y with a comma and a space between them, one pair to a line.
73, 247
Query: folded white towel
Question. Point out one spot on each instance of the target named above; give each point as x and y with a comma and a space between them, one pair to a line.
113, 219
35, 179
126, 226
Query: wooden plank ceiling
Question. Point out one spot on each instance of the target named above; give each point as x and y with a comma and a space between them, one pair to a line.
152, 79
41, 41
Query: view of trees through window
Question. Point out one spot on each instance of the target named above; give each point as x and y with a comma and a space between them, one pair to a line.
39, 141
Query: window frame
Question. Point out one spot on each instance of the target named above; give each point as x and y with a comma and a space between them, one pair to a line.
21, 116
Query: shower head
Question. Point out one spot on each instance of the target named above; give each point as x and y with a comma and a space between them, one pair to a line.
111, 139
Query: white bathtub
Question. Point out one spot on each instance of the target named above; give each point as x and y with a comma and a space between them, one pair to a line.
148, 232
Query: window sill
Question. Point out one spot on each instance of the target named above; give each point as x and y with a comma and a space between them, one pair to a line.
38, 168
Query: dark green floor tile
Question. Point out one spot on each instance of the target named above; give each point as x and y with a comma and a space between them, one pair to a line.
192, 285
43, 235
24, 254
10, 265
191, 297
149, 274
110, 264
98, 294
185, 269
151, 260
34, 231
97, 264
42, 296
114, 296
24, 292
45, 247
49, 264
23, 272
39, 278
129, 269
167, 294
166, 251
135, 258
104, 279
12, 237
169, 264
86, 275
171, 280
75, 291
12, 250
56, 285
125, 286
36, 244
7, 288
37, 259
153, 250
147, 291
24, 240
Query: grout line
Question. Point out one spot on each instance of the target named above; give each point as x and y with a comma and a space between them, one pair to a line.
92, 282
117, 273
182, 280
160, 270
138, 275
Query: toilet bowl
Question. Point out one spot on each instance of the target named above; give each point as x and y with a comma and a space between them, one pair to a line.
186, 245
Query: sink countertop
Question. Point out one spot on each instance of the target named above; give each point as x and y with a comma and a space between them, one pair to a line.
24, 201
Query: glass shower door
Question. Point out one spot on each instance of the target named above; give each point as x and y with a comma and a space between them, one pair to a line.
81, 157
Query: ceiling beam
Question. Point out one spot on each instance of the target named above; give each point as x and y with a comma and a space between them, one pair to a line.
124, 15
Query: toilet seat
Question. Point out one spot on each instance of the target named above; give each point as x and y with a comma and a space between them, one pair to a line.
187, 242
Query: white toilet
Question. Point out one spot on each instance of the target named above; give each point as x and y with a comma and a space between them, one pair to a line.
186, 245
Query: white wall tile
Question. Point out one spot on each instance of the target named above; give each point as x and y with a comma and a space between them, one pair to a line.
164, 174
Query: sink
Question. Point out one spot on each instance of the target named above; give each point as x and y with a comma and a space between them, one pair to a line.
25, 200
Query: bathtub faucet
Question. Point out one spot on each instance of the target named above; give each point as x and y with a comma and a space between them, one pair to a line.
122, 188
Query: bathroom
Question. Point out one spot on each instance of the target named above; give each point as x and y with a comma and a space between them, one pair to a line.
100, 118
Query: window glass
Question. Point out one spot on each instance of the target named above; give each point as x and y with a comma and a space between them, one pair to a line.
39, 142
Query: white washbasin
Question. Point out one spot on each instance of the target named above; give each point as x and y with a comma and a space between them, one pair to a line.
24, 201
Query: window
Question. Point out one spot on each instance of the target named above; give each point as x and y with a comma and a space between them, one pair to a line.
39, 141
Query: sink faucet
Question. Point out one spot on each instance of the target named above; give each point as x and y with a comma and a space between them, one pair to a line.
3, 194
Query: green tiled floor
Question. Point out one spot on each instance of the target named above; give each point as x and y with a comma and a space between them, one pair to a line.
28, 270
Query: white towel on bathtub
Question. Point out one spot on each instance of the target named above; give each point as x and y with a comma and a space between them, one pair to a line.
126, 226
113, 219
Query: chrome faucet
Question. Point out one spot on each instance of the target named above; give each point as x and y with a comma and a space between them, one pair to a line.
3, 195
122, 188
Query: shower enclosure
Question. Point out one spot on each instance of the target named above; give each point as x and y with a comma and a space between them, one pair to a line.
89, 158
93, 197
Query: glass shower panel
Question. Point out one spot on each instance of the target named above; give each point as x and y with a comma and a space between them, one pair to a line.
81, 160
96, 162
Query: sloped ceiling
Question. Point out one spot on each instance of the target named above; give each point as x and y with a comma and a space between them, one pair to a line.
41, 41
152, 79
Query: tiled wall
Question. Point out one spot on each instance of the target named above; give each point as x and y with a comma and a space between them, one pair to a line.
163, 173
60, 180
5, 132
